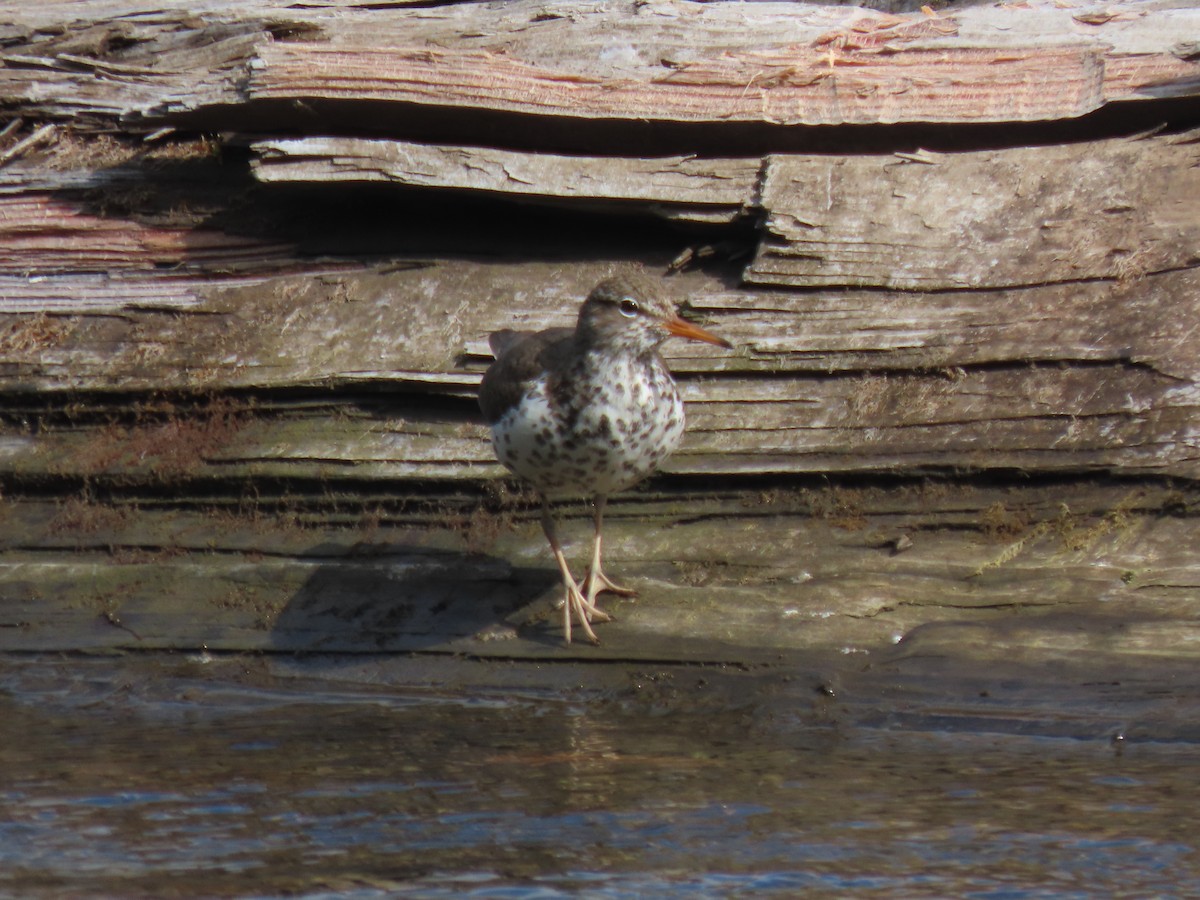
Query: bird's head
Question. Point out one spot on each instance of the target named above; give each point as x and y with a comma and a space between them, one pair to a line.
630, 314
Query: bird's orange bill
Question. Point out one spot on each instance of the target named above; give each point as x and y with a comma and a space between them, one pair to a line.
684, 329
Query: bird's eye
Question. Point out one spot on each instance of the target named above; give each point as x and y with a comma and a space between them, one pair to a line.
629, 307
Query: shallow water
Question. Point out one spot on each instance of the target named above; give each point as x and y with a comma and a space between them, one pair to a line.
195, 780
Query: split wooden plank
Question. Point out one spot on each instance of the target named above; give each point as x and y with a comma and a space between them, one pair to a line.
122, 64
426, 326
1151, 321
1005, 218
75, 296
794, 87
689, 188
925, 221
43, 233
765, 62
666, 60
1039, 419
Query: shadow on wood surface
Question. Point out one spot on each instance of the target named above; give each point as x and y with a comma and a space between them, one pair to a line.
403, 601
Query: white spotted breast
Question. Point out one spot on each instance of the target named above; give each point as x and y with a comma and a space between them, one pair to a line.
606, 425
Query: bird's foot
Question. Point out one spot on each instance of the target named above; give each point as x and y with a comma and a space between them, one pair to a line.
575, 605
596, 582
594, 613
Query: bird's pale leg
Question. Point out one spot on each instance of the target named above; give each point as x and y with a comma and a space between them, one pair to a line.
596, 581
574, 601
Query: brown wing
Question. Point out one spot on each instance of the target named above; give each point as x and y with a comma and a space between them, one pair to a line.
500, 341
521, 356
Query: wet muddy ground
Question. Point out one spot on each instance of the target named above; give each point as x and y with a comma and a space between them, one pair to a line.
161, 775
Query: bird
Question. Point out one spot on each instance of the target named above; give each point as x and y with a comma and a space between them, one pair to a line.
587, 411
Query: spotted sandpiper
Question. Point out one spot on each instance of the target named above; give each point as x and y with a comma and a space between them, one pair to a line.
588, 411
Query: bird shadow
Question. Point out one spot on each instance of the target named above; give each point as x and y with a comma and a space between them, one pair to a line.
403, 597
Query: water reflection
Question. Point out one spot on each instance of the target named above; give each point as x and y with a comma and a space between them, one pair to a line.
199, 786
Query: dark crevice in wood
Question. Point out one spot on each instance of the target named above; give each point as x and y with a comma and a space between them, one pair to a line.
569, 657
490, 128
948, 373
122, 407
889, 290
412, 497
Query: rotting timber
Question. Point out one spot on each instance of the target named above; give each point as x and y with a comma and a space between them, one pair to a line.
249, 258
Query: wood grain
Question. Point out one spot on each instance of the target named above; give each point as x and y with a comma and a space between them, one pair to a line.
680, 187
1013, 217
666, 60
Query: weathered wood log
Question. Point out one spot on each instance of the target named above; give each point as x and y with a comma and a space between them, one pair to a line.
793, 87
822, 67
680, 187
114, 64
1031, 416
1033, 419
423, 324
241, 415
776, 63
42, 233
956, 381
792, 571
912, 221
992, 219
